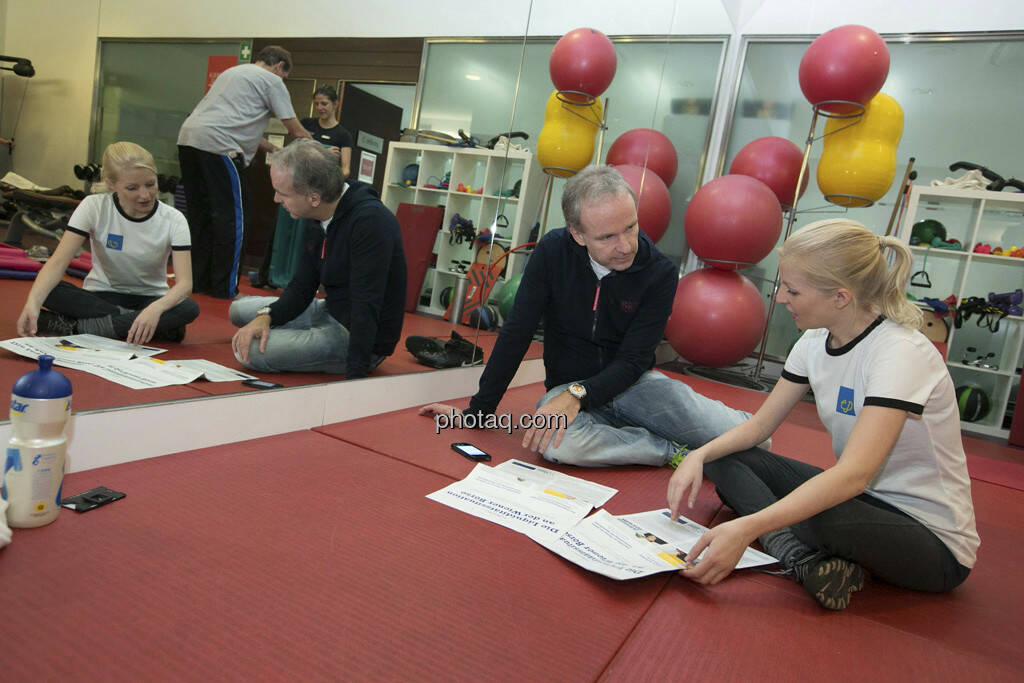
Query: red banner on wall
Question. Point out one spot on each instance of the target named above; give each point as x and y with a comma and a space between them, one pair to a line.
217, 65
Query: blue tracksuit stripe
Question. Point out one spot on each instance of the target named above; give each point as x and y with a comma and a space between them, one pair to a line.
236, 197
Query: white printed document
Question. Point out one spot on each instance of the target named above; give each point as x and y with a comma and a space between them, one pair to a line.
130, 365
551, 508
631, 546
526, 501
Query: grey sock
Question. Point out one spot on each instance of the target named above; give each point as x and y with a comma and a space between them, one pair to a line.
784, 546
101, 327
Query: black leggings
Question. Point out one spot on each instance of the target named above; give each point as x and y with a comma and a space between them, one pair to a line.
886, 541
75, 302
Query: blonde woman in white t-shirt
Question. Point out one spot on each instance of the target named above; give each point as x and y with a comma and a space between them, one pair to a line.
897, 502
131, 234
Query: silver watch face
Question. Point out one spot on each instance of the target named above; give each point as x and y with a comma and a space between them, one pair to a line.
578, 390
263, 311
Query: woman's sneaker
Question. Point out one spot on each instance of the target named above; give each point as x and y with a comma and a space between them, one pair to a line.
831, 580
50, 324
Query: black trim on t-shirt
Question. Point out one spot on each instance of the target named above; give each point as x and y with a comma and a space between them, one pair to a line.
77, 231
915, 408
794, 378
117, 205
849, 345
183, 248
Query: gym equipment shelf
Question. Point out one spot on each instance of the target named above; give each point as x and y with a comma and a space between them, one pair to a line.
973, 217
495, 172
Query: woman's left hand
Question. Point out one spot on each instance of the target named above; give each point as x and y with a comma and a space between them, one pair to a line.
144, 326
336, 151
725, 545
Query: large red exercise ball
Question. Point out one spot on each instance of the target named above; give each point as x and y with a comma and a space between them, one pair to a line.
733, 222
848, 63
645, 147
583, 63
717, 318
776, 163
653, 202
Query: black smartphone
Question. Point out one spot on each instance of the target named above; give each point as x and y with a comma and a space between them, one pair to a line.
468, 450
91, 499
261, 384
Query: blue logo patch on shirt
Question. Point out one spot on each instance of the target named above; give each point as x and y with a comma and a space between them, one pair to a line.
115, 242
844, 404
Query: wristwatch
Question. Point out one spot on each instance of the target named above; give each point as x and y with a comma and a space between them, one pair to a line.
579, 391
263, 311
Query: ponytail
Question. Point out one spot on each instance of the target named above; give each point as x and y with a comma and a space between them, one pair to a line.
892, 298
840, 252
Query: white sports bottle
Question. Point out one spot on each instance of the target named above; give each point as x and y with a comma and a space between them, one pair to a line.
34, 466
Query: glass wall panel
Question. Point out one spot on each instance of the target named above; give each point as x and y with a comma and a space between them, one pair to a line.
146, 90
666, 85
958, 96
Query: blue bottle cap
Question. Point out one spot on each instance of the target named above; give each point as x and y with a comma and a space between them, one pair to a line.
43, 383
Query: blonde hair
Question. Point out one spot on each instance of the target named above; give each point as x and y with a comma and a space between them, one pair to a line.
843, 253
122, 156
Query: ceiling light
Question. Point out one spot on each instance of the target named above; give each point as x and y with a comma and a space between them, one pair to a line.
472, 77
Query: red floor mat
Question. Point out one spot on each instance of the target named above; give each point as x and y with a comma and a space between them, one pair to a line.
297, 557
408, 437
742, 630
970, 632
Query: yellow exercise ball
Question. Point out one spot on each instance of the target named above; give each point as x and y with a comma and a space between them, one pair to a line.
566, 142
858, 161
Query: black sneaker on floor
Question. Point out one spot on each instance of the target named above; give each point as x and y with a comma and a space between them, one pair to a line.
831, 580
50, 324
453, 353
175, 336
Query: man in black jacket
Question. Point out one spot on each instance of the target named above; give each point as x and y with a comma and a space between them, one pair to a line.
353, 247
604, 293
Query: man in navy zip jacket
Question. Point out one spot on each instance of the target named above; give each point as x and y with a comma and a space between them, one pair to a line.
604, 293
353, 247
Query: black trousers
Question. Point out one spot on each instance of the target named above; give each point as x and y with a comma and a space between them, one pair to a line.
75, 302
217, 196
886, 541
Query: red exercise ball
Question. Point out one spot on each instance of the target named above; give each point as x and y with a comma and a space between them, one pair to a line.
848, 63
583, 61
653, 203
717, 318
776, 163
645, 147
733, 222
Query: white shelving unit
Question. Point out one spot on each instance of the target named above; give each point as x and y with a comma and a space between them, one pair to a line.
496, 172
973, 217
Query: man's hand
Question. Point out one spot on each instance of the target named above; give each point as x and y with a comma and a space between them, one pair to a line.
548, 431
258, 328
686, 481
143, 326
725, 544
438, 409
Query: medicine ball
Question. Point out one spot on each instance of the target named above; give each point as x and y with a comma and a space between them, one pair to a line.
974, 403
484, 317
924, 231
446, 297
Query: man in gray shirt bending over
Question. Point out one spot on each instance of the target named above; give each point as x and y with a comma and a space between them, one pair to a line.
216, 142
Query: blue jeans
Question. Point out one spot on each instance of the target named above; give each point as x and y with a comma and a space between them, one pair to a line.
886, 541
312, 342
639, 426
